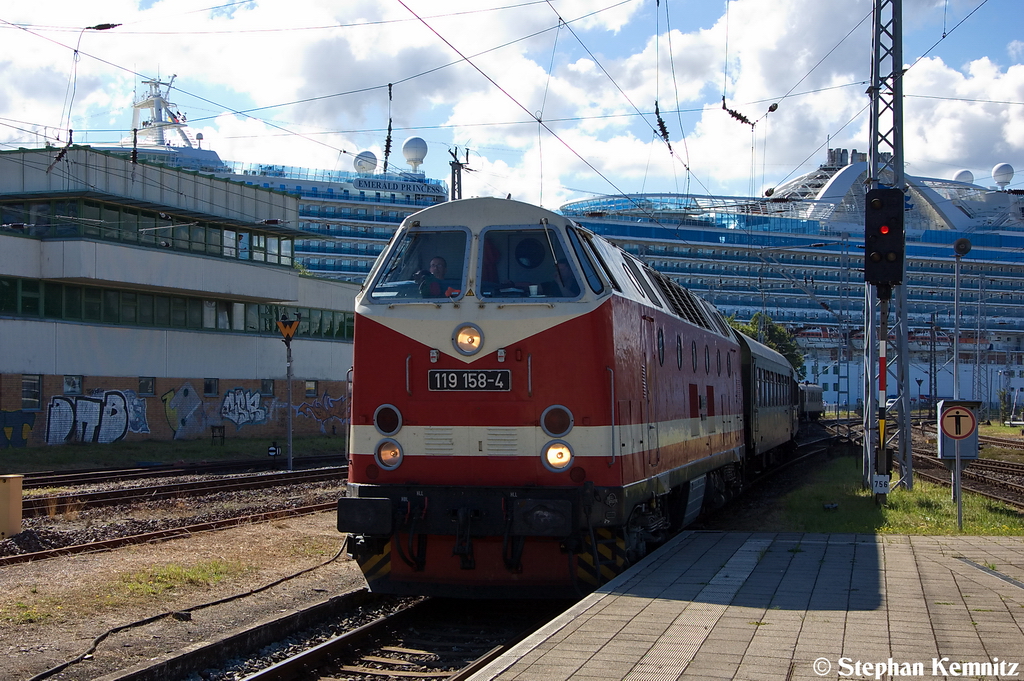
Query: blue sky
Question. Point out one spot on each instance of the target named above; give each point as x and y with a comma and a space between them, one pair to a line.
474, 74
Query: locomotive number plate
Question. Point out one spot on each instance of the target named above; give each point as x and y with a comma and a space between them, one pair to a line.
468, 379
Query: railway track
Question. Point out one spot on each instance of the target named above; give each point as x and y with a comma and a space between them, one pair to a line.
161, 535
58, 479
428, 639
77, 501
991, 479
999, 480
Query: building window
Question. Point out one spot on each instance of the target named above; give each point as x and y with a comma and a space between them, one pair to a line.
31, 391
267, 387
211, 387
147, 385
73, 384
311, 389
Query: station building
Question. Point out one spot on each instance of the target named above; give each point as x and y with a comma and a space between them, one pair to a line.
140, 301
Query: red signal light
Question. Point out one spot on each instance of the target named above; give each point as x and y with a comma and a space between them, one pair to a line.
884, 229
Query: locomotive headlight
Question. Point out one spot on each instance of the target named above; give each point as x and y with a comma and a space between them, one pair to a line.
388, 454
557, 455
556, 421
468, 339
387, 419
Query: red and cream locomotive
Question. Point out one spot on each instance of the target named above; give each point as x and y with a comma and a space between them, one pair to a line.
533, 406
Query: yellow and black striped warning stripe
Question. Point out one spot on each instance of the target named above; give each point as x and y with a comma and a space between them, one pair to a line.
376, 566
611, 557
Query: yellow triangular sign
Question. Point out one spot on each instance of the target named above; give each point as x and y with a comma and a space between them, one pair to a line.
288, 328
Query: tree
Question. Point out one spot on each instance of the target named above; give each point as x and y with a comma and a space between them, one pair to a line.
775, 336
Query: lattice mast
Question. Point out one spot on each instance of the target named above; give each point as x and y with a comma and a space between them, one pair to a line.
885, 171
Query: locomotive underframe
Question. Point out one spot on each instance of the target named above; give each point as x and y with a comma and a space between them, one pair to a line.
373, 514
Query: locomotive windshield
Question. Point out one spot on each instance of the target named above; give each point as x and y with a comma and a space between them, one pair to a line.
423, 264
526, 263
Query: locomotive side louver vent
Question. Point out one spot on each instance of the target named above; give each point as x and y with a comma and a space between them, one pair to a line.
502, 441
438, 440
681, 300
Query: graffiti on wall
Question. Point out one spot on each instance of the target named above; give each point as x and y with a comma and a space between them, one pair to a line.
325, 409
189, 415
185, 412
242, 407
103, 416
15, 427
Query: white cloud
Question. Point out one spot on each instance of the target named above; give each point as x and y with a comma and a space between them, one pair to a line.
324, 68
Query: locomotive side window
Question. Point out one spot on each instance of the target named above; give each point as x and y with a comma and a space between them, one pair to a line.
604, 264
526, 263
661, 347
583, 255
632, 279
423, 264
679, 352
641, 281
693, 353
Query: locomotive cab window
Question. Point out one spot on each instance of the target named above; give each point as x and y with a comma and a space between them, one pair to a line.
528, 262
427, 263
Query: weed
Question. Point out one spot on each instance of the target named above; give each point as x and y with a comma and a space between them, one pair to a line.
159, 580
25, 613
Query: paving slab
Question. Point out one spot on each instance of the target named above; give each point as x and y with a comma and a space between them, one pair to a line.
740, 605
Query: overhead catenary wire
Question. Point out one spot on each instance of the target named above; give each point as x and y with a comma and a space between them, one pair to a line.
664, 110
514, 100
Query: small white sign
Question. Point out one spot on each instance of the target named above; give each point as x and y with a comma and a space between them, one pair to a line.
880, 484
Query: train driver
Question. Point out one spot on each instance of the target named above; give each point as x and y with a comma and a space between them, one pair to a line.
431, 281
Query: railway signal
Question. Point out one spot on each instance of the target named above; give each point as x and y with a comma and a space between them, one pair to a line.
884, 242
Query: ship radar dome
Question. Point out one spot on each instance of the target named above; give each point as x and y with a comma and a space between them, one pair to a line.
964, 176
1002, 174
365, 162
415, 150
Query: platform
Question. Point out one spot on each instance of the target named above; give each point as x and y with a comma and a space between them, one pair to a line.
738, 605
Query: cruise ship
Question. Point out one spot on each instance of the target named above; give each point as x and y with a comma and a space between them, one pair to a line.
794, 256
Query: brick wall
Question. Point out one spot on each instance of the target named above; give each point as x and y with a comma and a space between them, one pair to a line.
108, 409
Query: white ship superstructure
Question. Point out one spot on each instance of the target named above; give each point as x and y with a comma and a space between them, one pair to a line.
794, 255
345, 217
797, 257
